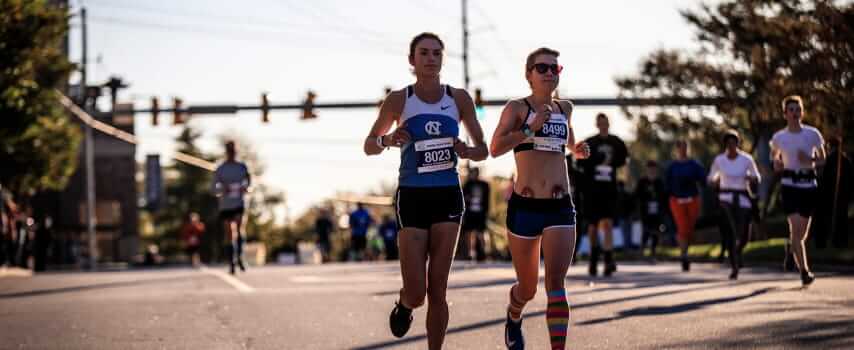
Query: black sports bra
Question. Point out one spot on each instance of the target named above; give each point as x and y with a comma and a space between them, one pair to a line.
547, 138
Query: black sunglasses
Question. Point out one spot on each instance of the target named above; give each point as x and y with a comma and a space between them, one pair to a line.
542, 68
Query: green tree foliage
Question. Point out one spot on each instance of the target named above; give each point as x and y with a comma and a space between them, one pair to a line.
751, 53
38, 143
187, 189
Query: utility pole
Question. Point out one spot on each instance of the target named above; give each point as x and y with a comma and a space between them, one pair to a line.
465, 45
90, 156
466, 56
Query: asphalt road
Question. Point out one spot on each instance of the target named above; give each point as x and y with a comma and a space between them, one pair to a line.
346, 306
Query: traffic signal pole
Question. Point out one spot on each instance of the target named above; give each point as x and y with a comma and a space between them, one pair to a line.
91, 218
594, 101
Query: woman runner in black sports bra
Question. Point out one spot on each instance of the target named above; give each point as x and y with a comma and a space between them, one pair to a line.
540, 212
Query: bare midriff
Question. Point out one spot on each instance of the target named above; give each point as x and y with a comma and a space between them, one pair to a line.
541, 174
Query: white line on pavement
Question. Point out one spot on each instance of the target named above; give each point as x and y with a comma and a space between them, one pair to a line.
234, 282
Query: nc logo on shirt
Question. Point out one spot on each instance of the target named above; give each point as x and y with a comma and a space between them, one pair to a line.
433, 128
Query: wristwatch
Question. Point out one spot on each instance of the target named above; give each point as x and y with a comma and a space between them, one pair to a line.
526, 129
380, 142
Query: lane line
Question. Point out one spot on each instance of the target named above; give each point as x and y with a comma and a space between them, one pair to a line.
234, 282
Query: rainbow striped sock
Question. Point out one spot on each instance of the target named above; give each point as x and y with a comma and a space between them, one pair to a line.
557, 318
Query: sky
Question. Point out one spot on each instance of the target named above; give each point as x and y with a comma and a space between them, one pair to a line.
229, 52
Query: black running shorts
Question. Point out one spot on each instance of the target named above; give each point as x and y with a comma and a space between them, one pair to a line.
799, 200
421, 207
231, 214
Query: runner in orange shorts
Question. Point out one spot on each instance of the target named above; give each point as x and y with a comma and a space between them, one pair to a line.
683, 181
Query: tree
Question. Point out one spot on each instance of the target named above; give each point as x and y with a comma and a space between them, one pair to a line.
38, 143
830, 68
751, 53
187, 189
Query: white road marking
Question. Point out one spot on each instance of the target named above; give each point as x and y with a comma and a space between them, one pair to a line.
234, 282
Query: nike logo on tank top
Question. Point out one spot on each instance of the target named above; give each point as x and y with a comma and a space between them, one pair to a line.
429, 160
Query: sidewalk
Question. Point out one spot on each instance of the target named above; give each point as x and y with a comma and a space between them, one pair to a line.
14, 272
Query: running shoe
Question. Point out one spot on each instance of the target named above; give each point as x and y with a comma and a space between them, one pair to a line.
592, 269
513, 334
610, 268
399, 320
807, 278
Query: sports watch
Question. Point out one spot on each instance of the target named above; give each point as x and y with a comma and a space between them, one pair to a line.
526, 129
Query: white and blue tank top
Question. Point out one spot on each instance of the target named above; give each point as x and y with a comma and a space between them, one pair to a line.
429, 160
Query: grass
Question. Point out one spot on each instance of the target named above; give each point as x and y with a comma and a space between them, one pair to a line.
770, 250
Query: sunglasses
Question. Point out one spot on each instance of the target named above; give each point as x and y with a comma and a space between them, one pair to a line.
542, 68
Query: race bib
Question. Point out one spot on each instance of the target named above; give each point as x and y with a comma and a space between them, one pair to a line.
786, 181
684, 200
652, 208
552, 137
475, 201
435, 154
604, 173
475, 206
388, 233
235, 190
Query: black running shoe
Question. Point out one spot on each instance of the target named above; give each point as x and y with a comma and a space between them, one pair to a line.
610, 268
733, 275
513, 334
807, 278
593, 269
686, 265
231, 269
240, 264
399, 320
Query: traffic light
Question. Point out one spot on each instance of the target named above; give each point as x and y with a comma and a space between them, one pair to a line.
478, 103
478, 98
155, 109
178, 114
308, 106
265, 108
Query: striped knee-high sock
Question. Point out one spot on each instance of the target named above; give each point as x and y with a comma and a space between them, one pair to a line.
557, 318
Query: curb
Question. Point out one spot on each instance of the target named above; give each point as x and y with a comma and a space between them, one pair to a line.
15, 272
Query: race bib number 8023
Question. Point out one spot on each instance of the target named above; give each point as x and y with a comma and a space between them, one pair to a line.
435, 154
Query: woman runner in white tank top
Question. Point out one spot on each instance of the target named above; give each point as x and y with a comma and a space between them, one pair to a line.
429, 202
